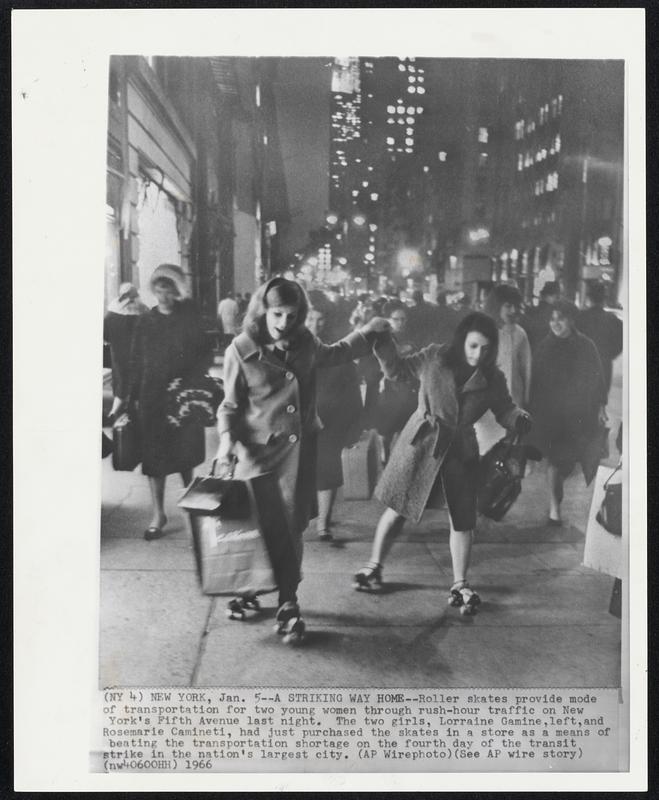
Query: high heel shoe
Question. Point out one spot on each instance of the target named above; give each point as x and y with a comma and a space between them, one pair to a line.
368, 578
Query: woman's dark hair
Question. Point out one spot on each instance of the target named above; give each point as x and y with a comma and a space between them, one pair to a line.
393, 305
566, 309
500, 294
166, 283
481, 323
280, 292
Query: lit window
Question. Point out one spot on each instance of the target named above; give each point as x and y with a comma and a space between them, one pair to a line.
373, 226
421, 79
390, 139
258, 95
370, 169
401, 109
409, 142
482, 135
557, 143
520, 162
401, 67
442, 155
365, 184
482, 159
410, 109
409, 131
408, 149
412, 79
420, 90
426, 169
419, 109
411, 89
560, 103
369, 256
374, 196
410, 120
391, 109
371, 248
390, 121
355, 192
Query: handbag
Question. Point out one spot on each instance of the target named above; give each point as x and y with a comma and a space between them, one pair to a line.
237, 527
500, 480
126, 447
610, 514
194, 400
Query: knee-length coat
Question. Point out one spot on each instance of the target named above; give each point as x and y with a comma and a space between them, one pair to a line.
269, 408
443, 419
164, 347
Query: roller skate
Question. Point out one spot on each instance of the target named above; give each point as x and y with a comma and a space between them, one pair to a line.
369, 578
462, 596
238, 607
289, 623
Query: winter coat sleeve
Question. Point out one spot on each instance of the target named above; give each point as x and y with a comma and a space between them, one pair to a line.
229, 414
525, 365
135, 364
401, 368
353, 346
501, 404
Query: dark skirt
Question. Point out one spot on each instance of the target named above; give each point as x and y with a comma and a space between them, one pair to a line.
167, 450
456, 486
329, 472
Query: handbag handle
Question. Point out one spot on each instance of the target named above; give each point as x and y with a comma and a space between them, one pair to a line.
232, 466
606, 482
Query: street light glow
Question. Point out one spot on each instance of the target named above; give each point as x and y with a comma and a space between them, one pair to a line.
359, 220
332, 219
408, 259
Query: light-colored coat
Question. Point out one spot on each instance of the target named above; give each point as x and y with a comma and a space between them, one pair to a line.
444, 417
262, 410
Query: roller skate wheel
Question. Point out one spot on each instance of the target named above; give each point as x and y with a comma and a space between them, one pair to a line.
455, 599
235, 610
294, 633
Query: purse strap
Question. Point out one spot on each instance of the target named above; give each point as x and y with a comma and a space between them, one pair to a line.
606, 482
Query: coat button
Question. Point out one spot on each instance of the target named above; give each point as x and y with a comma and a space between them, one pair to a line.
289, 376
290, 409
292, 438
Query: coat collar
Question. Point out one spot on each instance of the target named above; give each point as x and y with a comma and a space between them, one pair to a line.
476, 383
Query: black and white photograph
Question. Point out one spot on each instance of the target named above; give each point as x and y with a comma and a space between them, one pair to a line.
392, 288
361, 372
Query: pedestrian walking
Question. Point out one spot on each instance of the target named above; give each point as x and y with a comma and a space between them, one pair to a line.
169, 343
228, 312
435, 460
602, 327
268, 418
339, 404
118, 328
514, 359
568, 403
536, 320
397, 400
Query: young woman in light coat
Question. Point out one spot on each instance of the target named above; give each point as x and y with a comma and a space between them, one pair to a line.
435, 460
268, 418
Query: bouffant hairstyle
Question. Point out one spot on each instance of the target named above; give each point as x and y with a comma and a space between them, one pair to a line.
275, 292
500, 294
481, 323
394, 305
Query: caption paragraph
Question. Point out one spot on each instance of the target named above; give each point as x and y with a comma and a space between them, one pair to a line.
289, 730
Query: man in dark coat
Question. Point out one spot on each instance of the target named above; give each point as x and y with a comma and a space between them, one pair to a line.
536, 320
603, 327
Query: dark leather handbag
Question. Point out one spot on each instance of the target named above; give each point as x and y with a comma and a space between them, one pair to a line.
500, 480
126, 448
610, 514
210, 494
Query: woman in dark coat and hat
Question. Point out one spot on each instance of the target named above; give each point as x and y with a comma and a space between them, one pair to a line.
435, 460
268, 418
568, 402
168, 343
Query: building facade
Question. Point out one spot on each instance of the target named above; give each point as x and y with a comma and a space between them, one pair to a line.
189, 180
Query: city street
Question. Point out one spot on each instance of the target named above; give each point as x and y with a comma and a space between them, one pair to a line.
544, 621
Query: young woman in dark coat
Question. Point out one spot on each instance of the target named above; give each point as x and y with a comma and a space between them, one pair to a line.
435, 459
568, 402
339, 403
168, 343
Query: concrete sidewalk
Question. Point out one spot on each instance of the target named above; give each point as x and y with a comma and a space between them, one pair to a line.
544, 621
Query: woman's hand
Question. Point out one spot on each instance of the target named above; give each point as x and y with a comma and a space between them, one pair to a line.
225, 457
119, 404
376, 325
602, 416
523, 423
